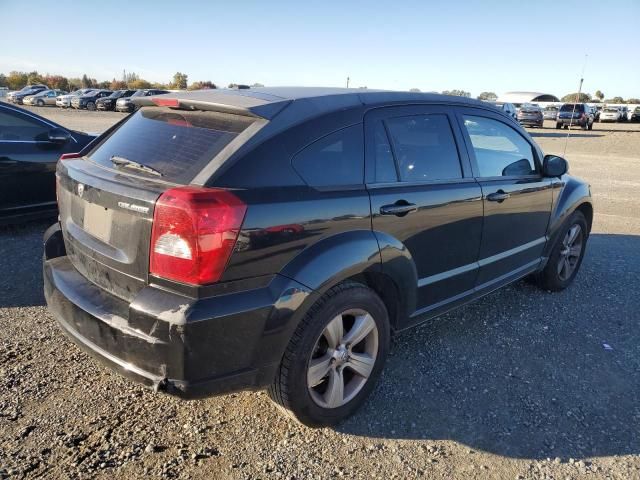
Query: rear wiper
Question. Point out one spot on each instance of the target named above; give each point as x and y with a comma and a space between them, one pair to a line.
125, 162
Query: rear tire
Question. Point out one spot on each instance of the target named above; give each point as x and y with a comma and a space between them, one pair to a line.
345, 334
558, 126
566, 256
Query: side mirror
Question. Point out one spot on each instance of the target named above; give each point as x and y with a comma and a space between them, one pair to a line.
58, 135
554, 166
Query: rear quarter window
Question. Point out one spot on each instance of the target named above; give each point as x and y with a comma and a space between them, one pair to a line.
334, 160
176, 143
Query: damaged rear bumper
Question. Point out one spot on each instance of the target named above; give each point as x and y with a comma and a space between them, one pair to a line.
167, 341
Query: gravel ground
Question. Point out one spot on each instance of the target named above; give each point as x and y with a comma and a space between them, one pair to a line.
517, 385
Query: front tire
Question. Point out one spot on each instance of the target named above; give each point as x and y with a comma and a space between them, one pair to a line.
566, 256
91, 106
40, 103
334, 358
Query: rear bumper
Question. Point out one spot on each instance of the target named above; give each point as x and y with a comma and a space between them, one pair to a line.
187, 347
124, 108
568, 121
531, 121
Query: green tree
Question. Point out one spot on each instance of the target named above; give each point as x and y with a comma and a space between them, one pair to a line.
86, 81
490, 96
206, 85
457, 93
34, 77
573, 97
56, 81
3, 80
75, 83
633, 100
179, 81
615, 100
117, 85
16, 80
599, 95
139, 84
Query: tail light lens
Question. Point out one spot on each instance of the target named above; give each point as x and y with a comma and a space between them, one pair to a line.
67, 156
194, 232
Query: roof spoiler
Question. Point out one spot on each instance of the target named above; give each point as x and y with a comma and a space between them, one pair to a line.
266, 110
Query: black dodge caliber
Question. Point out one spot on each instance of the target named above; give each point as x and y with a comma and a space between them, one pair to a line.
275, 238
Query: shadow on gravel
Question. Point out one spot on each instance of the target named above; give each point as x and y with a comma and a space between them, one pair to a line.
21, 272
525, 373
563, 135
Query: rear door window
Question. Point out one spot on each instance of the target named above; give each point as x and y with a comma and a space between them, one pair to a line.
334, 160
176, 143
424, 147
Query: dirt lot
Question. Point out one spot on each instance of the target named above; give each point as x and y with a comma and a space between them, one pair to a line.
515, 386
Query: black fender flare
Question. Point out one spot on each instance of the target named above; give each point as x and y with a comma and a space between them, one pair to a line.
573, 194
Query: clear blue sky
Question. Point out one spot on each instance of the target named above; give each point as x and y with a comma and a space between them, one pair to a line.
471, 45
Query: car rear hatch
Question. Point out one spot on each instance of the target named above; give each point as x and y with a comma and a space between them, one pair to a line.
107, 197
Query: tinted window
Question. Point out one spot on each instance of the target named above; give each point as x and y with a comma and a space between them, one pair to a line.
337, 159
176, 143
424, 148
17, 127
500, 150
385, 165
568, 107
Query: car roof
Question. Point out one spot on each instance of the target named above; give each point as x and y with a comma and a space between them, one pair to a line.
267, 102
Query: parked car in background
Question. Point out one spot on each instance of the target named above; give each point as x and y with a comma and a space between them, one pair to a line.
45, 97
634, 114
575, 114
596, 112
144, 270
550, 112
126, 104
624, 114
610, 114
530, 115
109, 103
30, 146
89, 99
508, 108
64, 101
17, 97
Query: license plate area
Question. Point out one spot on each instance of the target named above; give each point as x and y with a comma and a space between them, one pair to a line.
98, 221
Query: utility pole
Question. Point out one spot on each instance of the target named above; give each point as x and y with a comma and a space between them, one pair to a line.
347, 82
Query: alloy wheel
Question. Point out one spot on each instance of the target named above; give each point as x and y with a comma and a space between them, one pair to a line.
570, 252
343, 358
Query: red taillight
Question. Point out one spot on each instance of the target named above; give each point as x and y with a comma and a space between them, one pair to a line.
67, 156
194, 232
166, 102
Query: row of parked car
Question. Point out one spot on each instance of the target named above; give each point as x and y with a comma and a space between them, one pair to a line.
532, 115
85, 98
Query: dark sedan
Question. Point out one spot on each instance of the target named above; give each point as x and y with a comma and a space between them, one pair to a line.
109, 103
17, 97
30, 147
127, 105
89, 100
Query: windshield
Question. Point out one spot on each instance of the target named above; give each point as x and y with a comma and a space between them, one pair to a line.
611, 110
176, 143
139, 93
116, 94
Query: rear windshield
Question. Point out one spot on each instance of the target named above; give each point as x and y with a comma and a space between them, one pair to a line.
176, 143
568, 107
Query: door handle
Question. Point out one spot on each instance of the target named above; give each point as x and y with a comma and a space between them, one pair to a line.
399, 209
499, 196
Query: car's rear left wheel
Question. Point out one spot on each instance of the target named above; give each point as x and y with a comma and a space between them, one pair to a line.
334, 358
